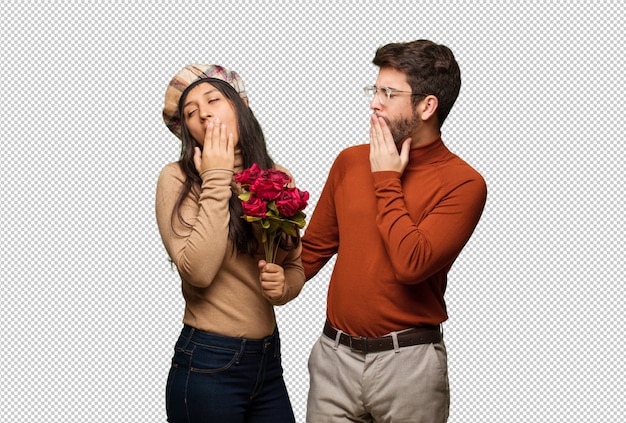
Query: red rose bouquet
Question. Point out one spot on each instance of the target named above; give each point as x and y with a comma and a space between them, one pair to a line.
268, 201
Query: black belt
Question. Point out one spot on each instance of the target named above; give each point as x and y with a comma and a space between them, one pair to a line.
415, 336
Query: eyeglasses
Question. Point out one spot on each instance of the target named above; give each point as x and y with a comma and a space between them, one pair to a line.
384, 93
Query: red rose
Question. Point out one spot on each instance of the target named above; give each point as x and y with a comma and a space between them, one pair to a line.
288, 203
277, 176
248, 176
254, 207
291, 201
303, 197
267, 189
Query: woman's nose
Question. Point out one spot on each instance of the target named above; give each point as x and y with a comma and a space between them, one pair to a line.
205, 114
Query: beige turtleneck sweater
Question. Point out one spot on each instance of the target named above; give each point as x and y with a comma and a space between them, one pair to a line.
221, 288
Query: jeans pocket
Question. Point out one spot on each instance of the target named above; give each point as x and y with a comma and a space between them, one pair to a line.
207, 359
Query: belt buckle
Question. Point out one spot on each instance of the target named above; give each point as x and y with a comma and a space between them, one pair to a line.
363, 349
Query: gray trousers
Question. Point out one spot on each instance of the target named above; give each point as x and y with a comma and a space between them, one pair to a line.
409, 384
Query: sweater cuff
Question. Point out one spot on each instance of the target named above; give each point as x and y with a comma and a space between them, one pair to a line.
385, 175
217, 174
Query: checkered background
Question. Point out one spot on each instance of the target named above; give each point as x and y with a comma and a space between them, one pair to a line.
90, 305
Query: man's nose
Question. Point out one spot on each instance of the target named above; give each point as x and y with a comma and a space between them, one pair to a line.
375, 103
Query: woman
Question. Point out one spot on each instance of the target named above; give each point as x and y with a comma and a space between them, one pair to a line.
226, 366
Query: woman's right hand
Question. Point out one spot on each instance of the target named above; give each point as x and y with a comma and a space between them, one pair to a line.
218, 151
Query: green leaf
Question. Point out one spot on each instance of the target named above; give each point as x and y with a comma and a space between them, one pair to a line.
289, 229
251, 219
271, 206
245, 196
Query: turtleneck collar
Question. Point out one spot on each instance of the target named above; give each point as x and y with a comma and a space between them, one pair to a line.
238, 160
431, 152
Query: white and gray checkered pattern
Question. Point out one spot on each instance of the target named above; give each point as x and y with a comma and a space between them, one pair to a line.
90, 306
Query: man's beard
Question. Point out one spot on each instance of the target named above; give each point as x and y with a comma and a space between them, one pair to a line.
403, 127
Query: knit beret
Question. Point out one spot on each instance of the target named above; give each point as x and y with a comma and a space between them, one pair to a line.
187, 76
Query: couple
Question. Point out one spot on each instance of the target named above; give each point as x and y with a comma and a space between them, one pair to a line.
397, 212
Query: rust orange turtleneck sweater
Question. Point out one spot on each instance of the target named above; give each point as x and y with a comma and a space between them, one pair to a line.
395, 236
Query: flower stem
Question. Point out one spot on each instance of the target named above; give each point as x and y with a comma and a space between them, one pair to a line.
271, 247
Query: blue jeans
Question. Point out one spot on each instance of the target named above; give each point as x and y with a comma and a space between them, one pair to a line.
216, 378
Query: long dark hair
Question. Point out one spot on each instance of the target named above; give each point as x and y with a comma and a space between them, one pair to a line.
253, 150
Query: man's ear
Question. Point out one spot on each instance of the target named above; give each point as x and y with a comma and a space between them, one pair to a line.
428, 107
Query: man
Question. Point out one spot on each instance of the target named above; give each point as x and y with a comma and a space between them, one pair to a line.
397, 213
